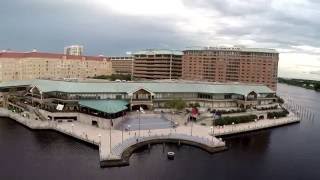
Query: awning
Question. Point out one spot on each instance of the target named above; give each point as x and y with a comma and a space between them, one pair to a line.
106, 106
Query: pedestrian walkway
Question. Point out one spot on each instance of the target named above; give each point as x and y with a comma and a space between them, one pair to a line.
253, 126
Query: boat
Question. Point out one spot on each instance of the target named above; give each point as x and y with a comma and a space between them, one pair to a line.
170, 155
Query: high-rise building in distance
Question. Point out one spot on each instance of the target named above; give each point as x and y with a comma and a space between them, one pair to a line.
235, 64
157, 64
122, 64
74, 50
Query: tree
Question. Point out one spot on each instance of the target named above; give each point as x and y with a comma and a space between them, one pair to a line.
177, 104
317, 86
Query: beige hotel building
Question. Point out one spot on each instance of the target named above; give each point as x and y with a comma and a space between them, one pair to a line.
157, 64
122, 64
236, 64
34, 65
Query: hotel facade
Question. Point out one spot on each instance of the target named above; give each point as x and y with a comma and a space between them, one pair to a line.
122, 64
236, 64
157, 64
36, 65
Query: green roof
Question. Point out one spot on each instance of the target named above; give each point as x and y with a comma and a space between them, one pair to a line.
107, 106
153, 86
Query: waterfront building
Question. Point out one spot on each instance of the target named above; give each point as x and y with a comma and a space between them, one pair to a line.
157, 64
74, 50
236, 64
122, 64
110, 100
35, 65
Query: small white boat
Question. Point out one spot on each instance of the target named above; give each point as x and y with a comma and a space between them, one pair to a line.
170, 155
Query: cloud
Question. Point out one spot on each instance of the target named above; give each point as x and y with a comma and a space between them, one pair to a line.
48, 26
113, 27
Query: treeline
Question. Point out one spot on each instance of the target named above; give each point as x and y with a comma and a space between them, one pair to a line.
309, 84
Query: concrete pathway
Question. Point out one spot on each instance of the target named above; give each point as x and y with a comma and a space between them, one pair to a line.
252, 126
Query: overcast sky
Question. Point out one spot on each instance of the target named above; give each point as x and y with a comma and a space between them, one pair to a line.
113, 27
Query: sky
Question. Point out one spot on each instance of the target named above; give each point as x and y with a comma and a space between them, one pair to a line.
114, 27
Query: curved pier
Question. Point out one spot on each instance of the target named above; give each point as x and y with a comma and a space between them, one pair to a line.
120, 154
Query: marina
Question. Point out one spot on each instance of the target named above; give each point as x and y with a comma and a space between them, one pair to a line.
116, 147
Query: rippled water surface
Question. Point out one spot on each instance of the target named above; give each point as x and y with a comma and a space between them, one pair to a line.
289, 152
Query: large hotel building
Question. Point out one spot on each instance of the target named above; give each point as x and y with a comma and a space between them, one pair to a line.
157, 64
236, 64
35, 65
122, 64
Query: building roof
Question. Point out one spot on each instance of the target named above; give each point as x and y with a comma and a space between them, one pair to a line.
235, 48
18, 55
121, 58
127, 87
158, 51
107, 106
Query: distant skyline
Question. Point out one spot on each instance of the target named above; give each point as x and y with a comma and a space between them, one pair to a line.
114, 27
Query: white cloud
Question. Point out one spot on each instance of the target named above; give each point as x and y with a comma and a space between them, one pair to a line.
290, 26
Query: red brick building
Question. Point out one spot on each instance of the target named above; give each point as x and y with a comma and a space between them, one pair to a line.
236, 64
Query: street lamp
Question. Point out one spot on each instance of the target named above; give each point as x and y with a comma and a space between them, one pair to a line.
139, 122
232, 125
99, 135
129, 128
191, 126
212, 132
72, 125
110, 139
122, 134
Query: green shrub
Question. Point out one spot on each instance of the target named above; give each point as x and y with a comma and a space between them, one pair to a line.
272, 115
238, 119
177, 104
228, 112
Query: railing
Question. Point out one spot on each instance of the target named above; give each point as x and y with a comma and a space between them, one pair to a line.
117, 150
254, 126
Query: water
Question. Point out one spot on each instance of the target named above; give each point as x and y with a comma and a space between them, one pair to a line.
289, 152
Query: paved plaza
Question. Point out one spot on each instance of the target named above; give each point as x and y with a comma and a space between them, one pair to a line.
147, 121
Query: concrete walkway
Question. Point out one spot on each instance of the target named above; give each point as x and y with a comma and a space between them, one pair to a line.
253, 126
102, 137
